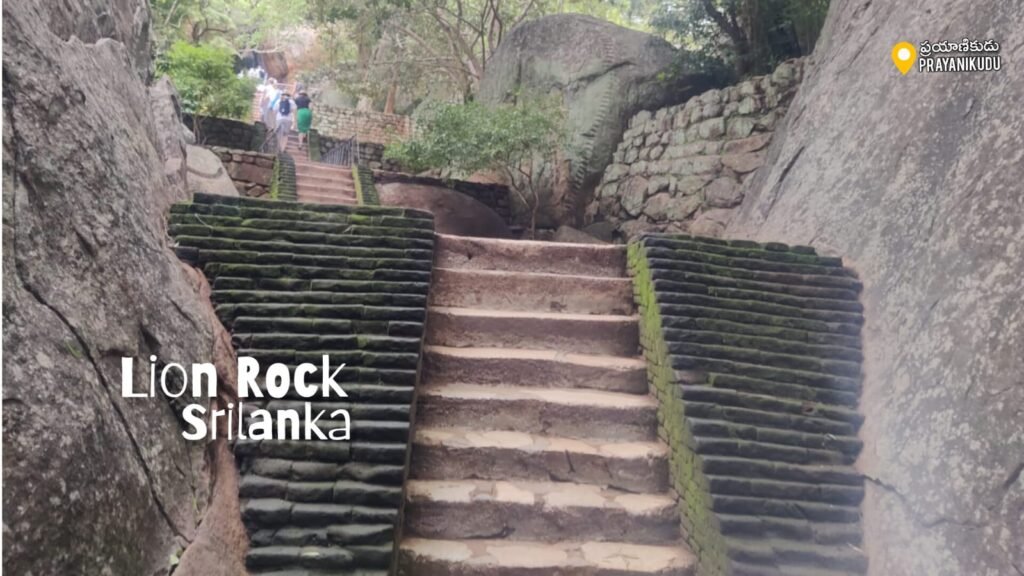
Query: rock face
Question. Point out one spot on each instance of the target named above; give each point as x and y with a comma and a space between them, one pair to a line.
454, 212
916, 180
93, 483
605, 74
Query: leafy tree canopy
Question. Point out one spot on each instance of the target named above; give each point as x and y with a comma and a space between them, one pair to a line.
205, 78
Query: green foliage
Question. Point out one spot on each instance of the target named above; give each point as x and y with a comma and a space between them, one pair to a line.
238, 24
517, 141
461, 139
206, 81
746, 36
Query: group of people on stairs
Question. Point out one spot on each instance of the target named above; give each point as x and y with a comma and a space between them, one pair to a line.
281, 113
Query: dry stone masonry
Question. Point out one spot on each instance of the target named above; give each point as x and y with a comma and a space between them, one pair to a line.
293, 282
252, 172
754, 353
683, 168
367, 126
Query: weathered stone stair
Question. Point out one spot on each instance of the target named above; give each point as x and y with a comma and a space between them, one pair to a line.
292, 282
319, 182
754, 352
535, 450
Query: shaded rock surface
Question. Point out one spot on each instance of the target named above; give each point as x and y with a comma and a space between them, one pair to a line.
206, 173
605, 74
454, 212
916, 180
93, 483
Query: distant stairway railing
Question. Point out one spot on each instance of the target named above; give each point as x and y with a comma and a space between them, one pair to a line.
345, 153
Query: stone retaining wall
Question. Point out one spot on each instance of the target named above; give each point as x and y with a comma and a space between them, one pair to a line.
293, 282
754, 354
371, 154
683, 168
226, 133
252, 172
370, 127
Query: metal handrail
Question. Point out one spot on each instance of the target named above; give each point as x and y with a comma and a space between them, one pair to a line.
346, 153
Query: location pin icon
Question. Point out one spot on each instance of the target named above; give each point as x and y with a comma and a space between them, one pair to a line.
903, 56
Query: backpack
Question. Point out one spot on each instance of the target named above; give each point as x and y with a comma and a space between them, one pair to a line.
286, 108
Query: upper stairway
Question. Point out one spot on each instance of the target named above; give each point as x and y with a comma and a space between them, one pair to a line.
535, 450
319, 182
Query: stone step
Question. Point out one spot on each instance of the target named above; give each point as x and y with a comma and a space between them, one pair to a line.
537, 511
328, 558
359, 235
304, 470
321, 342
321, 169
324, 195
529, 256
359, 252
352, 358
287, 271
761, 307
795, 266
343, 179
772, 251
767, 345
541, 368
381, 287
775, 552
726, 446
747, 317
253, 324
784, 471
707, 428
202, 256
341, 535
827, 493
560, 412
769, 396
707, 320
680, 280
338, 492
812, 511
336, 451
789, 529
696, 365
745, 569
578, 333
354, 222
275, 512
326, 311
741, 416
467, 454
523, 291
293, 211
318, 297
423, 557
701, 263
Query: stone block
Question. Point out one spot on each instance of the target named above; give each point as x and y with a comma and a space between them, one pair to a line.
634, 192
666, 208
712, 128
749, 144
739, 127
743, 163
723, 193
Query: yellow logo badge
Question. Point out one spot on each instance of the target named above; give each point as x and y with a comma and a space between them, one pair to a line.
903, 56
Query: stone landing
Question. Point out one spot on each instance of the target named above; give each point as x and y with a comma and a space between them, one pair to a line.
535, 450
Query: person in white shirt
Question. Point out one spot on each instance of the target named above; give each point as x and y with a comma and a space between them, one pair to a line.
285, 113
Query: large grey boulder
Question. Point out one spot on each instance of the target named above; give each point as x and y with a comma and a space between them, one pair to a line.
454, 212
916, 180
605, 73
93, 483
206, 173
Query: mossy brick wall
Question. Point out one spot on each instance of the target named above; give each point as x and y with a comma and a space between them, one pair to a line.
754, 354
226, 133
292, 282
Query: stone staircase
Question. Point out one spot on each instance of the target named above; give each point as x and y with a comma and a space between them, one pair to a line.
535, 450
319, 182
292, 282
